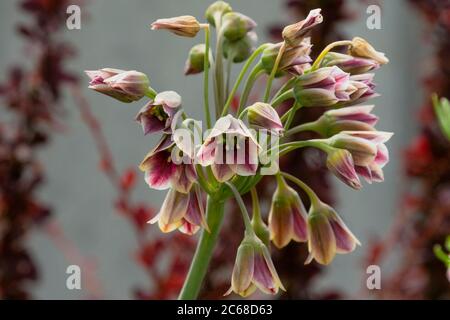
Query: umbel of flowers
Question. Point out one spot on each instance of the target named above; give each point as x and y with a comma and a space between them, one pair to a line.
202, 172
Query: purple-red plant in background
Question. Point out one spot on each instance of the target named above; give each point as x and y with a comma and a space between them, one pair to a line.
424, 218
32, 99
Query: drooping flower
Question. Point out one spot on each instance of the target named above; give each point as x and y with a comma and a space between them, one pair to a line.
182, 211
323, 87
348, 63
368, 151
236, 25
125, 86
254, 269
287, 217
294, 34
365, 89
230, 148
327, 234
340, 163
361, 48
164, 167
293, 60
264, 116
185, 26
157, 115
355, 118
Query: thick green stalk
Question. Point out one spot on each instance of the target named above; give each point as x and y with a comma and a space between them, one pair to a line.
205, 247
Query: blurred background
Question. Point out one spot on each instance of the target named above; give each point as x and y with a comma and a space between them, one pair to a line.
94, 219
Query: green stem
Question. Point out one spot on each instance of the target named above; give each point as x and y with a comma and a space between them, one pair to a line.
311, 194
151, 93
229, 64
254, 74
273, 72
290, 146
255, 205
309, 126
281, 98
218, 72
288, 84
245, 215
206, 79
291, 115
203, 253
322, 55
241, 75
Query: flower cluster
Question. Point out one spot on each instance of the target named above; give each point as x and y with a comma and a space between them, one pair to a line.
245, 144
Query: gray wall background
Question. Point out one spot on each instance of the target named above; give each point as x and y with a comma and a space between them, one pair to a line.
117, 34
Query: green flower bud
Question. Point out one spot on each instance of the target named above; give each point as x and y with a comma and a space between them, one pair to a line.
196, 59
242, 49
217, 10
236, 25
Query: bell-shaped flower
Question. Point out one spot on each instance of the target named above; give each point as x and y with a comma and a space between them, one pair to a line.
348, 63
253, 269
340, 163
125, 86
235, 25
368, 151
327, 234
294, 34
196, 60
287, 217
164, 167
185, 26
264, 116
182, 211
365, 88
355, 118
323, 87
158, 115
230, 148
293, 60
361, 48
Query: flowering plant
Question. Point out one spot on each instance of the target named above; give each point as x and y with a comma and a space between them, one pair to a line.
244, 144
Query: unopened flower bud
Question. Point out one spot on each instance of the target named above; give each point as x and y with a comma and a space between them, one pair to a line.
125, 86
293, 60
216, 11
356, 118
348, 63
362, 48
241, 49
327, 234
264, 116
185, 26
254, 269
340, 163
287, 217
196, 60
323, 87
363, 151
235, 25
293, 34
